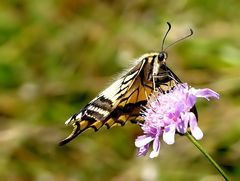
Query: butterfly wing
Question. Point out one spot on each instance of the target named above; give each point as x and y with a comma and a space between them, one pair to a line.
119, 103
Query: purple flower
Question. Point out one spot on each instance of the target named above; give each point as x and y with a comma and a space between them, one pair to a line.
168, 113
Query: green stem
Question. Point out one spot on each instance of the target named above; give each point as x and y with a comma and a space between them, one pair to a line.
192, 139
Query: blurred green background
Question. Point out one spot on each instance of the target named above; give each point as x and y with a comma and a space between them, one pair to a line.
56, 55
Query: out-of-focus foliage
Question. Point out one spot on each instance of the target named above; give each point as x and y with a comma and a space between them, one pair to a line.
56, 55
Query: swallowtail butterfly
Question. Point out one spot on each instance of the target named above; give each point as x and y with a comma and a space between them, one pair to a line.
123, 100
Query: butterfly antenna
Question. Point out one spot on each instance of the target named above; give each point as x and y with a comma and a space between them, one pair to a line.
183, 38
164, 38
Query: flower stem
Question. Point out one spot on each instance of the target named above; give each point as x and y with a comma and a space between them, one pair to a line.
210, 159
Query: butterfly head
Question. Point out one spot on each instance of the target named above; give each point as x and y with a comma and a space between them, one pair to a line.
162, 57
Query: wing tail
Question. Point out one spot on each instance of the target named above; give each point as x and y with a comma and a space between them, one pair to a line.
76, 131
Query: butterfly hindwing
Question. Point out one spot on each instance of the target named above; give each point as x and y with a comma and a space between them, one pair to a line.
112, 106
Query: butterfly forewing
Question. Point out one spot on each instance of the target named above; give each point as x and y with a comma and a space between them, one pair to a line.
123, 100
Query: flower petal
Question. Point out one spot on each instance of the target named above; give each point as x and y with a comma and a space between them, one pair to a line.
197, 133
191, 100
143, 150
156, 148
182, 124
195, 130
169, 134
143, 140
205, 93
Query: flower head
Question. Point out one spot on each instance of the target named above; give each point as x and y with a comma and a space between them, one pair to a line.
168, 113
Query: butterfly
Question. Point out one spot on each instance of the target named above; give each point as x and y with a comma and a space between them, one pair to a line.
124, 99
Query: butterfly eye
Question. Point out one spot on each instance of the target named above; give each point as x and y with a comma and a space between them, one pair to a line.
162, 56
